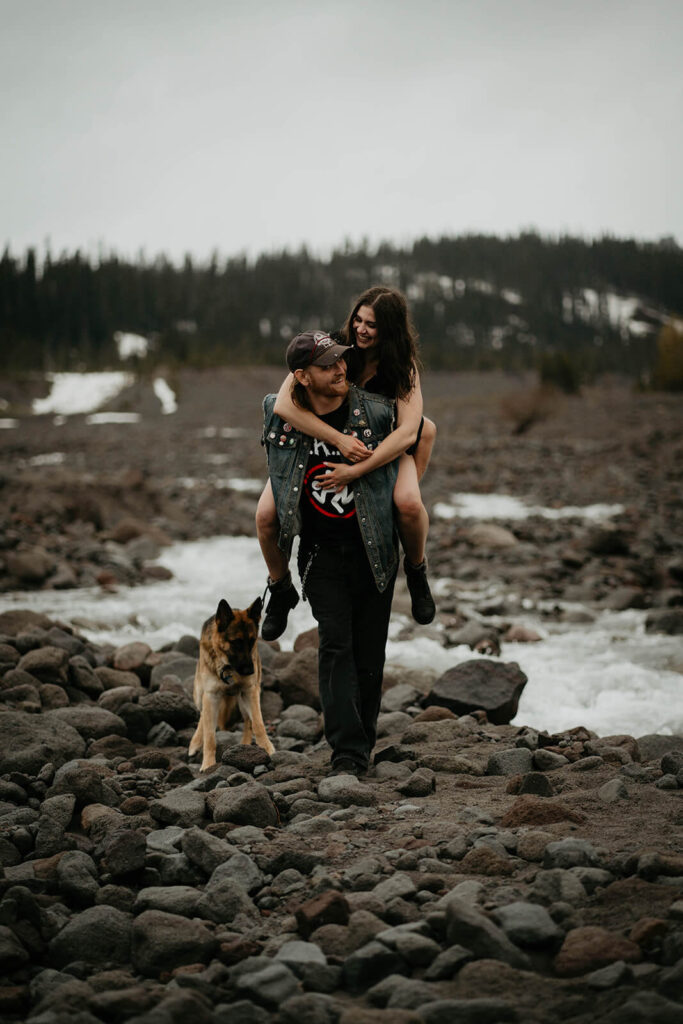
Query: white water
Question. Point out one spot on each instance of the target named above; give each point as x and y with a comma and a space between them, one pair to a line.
609, 676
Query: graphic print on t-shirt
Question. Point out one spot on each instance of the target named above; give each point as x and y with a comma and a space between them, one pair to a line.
327, 503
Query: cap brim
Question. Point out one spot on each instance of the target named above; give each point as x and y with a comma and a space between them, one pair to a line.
331, 355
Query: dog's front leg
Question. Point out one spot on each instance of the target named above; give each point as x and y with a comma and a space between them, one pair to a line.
196, 741
256, 723
209, 719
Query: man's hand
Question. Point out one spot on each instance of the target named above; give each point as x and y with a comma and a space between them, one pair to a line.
352, 449
337, 476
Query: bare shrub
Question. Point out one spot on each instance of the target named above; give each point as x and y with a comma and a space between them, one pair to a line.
525, 408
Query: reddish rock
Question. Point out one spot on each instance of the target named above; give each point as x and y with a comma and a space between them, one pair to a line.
587, 949
434, 714
131, 657
307, 639
330, 907
534, 810
485, 861
648, 932
298, 680
521, 635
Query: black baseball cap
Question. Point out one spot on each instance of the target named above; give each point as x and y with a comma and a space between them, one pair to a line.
314, 348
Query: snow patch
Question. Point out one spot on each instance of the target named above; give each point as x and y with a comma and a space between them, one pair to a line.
166, 396
505, 506
131, 344
74, 393
98, 418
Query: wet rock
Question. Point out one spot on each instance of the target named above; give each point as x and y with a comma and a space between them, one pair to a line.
489, 535
480, 685
516, 760
183, 807
13, 954
470, 928
124, 854
239, 868
330, 907
98, 935
174, 664
245, 758
558, 886
48, 664
30, 565
250, 804
528, 925
55, 815
114, 679
368, 964
665, 620
162, 941
468, 1011
84, 677
203, 849
90, 721
269, 986
83, 781
298, 679
589, 948
396, 991
77, 878
612, 791
172, 899
569, 853
131, 657
400, 697
421, 782
175, 708
346, 790
27, 742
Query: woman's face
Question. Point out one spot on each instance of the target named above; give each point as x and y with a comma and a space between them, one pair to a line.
365, 328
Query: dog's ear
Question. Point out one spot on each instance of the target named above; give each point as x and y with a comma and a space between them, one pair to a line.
224, 615
254, 610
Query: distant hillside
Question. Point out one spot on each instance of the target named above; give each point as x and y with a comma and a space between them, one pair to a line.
478, 302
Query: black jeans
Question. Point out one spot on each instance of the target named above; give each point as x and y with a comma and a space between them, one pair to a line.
353, 623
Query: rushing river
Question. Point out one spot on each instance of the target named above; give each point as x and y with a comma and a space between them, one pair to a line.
609, 675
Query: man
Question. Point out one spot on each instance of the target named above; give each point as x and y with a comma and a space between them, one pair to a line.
347, 553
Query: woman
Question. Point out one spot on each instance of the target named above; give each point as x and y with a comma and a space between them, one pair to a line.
383, 359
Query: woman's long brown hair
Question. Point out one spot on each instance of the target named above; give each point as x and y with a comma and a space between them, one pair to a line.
396, 340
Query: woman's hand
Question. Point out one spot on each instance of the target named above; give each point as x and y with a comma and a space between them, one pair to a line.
352, 449
337, 477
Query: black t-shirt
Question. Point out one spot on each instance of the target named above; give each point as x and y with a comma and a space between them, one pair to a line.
327, 517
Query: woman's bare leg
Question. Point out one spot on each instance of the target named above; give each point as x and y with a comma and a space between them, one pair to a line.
267, 530
413, 526
413, 521
424, 447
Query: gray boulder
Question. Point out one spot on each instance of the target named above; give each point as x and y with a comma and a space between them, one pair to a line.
98, 935
480, 685
27, 742
468, 927
163, 941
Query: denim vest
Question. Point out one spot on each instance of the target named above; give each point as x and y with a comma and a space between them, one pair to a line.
371, 418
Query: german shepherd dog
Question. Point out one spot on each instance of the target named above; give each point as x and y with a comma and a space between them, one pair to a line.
228, 672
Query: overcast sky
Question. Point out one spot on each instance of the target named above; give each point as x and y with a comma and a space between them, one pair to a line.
190, 125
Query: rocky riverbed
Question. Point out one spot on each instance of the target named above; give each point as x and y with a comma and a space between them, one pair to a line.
88, 503
482, 872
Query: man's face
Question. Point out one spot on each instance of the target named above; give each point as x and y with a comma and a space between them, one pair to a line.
326, 381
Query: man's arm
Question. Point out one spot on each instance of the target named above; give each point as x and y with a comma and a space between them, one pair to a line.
409, 414
308, 423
